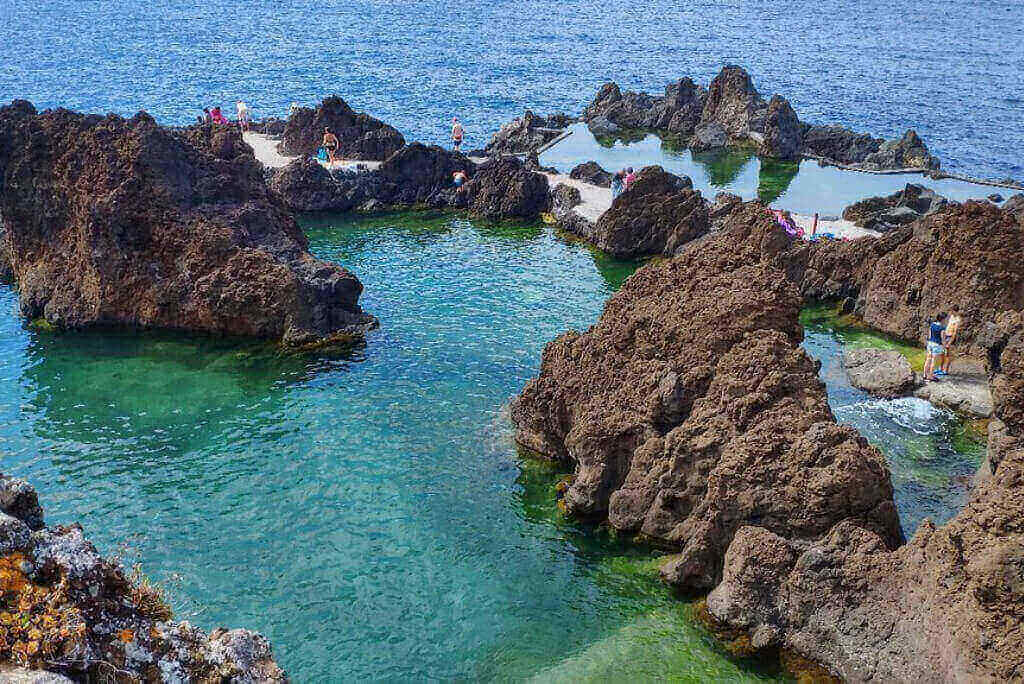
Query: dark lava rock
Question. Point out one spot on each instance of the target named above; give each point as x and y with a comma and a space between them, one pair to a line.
269, 126
879, 372
689, 410
722, 207
907, 152
305, 185
678, 111
564, 198
657, 215
526, 133
839, 144
79, 612
900, 208
783, 132
591, 172
360, 136
734, 103
421, 174
708, 136
1015, 204
503, 188
139, 225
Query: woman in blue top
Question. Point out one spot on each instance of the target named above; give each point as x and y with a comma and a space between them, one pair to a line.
934, 347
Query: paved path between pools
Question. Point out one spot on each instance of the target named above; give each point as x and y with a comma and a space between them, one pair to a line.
265, 149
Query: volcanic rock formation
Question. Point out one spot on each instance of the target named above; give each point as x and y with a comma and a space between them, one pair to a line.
879, 372
900, 208
83, 616
526, 133
689, 410
360, 136
504, 188
591, 172
731, 111
107, 221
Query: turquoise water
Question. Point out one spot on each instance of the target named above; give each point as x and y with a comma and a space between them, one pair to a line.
804, 188
954, 70
368, 512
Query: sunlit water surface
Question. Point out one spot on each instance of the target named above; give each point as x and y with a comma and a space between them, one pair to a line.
368, 512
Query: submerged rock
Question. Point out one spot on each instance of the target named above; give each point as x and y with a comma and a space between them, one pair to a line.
360, 136
658, 214
879, 372
83, 616
591, 172
138, 225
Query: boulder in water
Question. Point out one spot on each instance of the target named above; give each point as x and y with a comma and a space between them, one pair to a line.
783, 132
591, 172
503, 188
879, 372
526, 133
734, 104
708, 136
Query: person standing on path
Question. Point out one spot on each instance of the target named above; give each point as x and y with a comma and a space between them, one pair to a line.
948, 339
616, 185
630, 177
936, 329
330, 144
243, 115
457, 133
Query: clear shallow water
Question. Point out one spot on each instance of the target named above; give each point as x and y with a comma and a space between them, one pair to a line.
368, 512
953, 70
804, 188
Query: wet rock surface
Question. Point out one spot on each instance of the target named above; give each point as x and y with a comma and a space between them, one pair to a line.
111, 221
658, 214
900, 208
82, 616
526, 133
879, 372
360, 136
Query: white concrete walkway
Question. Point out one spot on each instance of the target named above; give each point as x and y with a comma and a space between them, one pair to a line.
265, 149
595, 200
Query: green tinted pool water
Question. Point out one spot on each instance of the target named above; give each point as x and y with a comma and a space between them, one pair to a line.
368, 512
804, 188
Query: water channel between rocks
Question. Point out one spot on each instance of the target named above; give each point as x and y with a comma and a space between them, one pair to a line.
368, 512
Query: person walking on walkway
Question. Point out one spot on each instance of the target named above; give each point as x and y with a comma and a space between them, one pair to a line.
243, 115
936, 330
458, 133
330, 144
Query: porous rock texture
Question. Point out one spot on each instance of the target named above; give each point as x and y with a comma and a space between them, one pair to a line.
526, 133
504, 188
904, 206
108, 221
65, 611
657, 214
689, 410
360, 136
591, 172
734, 103
677, 112
879, 372
947, 607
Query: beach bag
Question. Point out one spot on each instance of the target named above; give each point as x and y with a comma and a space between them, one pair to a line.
321, 154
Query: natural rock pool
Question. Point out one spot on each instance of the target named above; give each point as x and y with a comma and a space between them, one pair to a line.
368, 512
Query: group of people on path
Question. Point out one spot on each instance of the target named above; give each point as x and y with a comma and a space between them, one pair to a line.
621, 180
213, 115
942, 333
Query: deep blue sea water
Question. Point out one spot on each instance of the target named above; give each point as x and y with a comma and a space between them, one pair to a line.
953, 70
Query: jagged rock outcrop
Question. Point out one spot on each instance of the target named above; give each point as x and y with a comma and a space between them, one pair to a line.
360, 136
677, 112
732, 111
690, 408
504, 188
591, 172
1015, 205
564, 200
900, 208
526, 133
879, 372
657, 215
945, 607
783, 135
271, 125
111, 221
305, 185
82, 616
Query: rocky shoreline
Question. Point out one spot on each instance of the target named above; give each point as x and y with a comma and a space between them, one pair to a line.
78, 615
691, 418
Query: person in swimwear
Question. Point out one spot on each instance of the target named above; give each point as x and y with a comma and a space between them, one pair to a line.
330, 144
457, 133
243, 115
948, 339
459, 179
